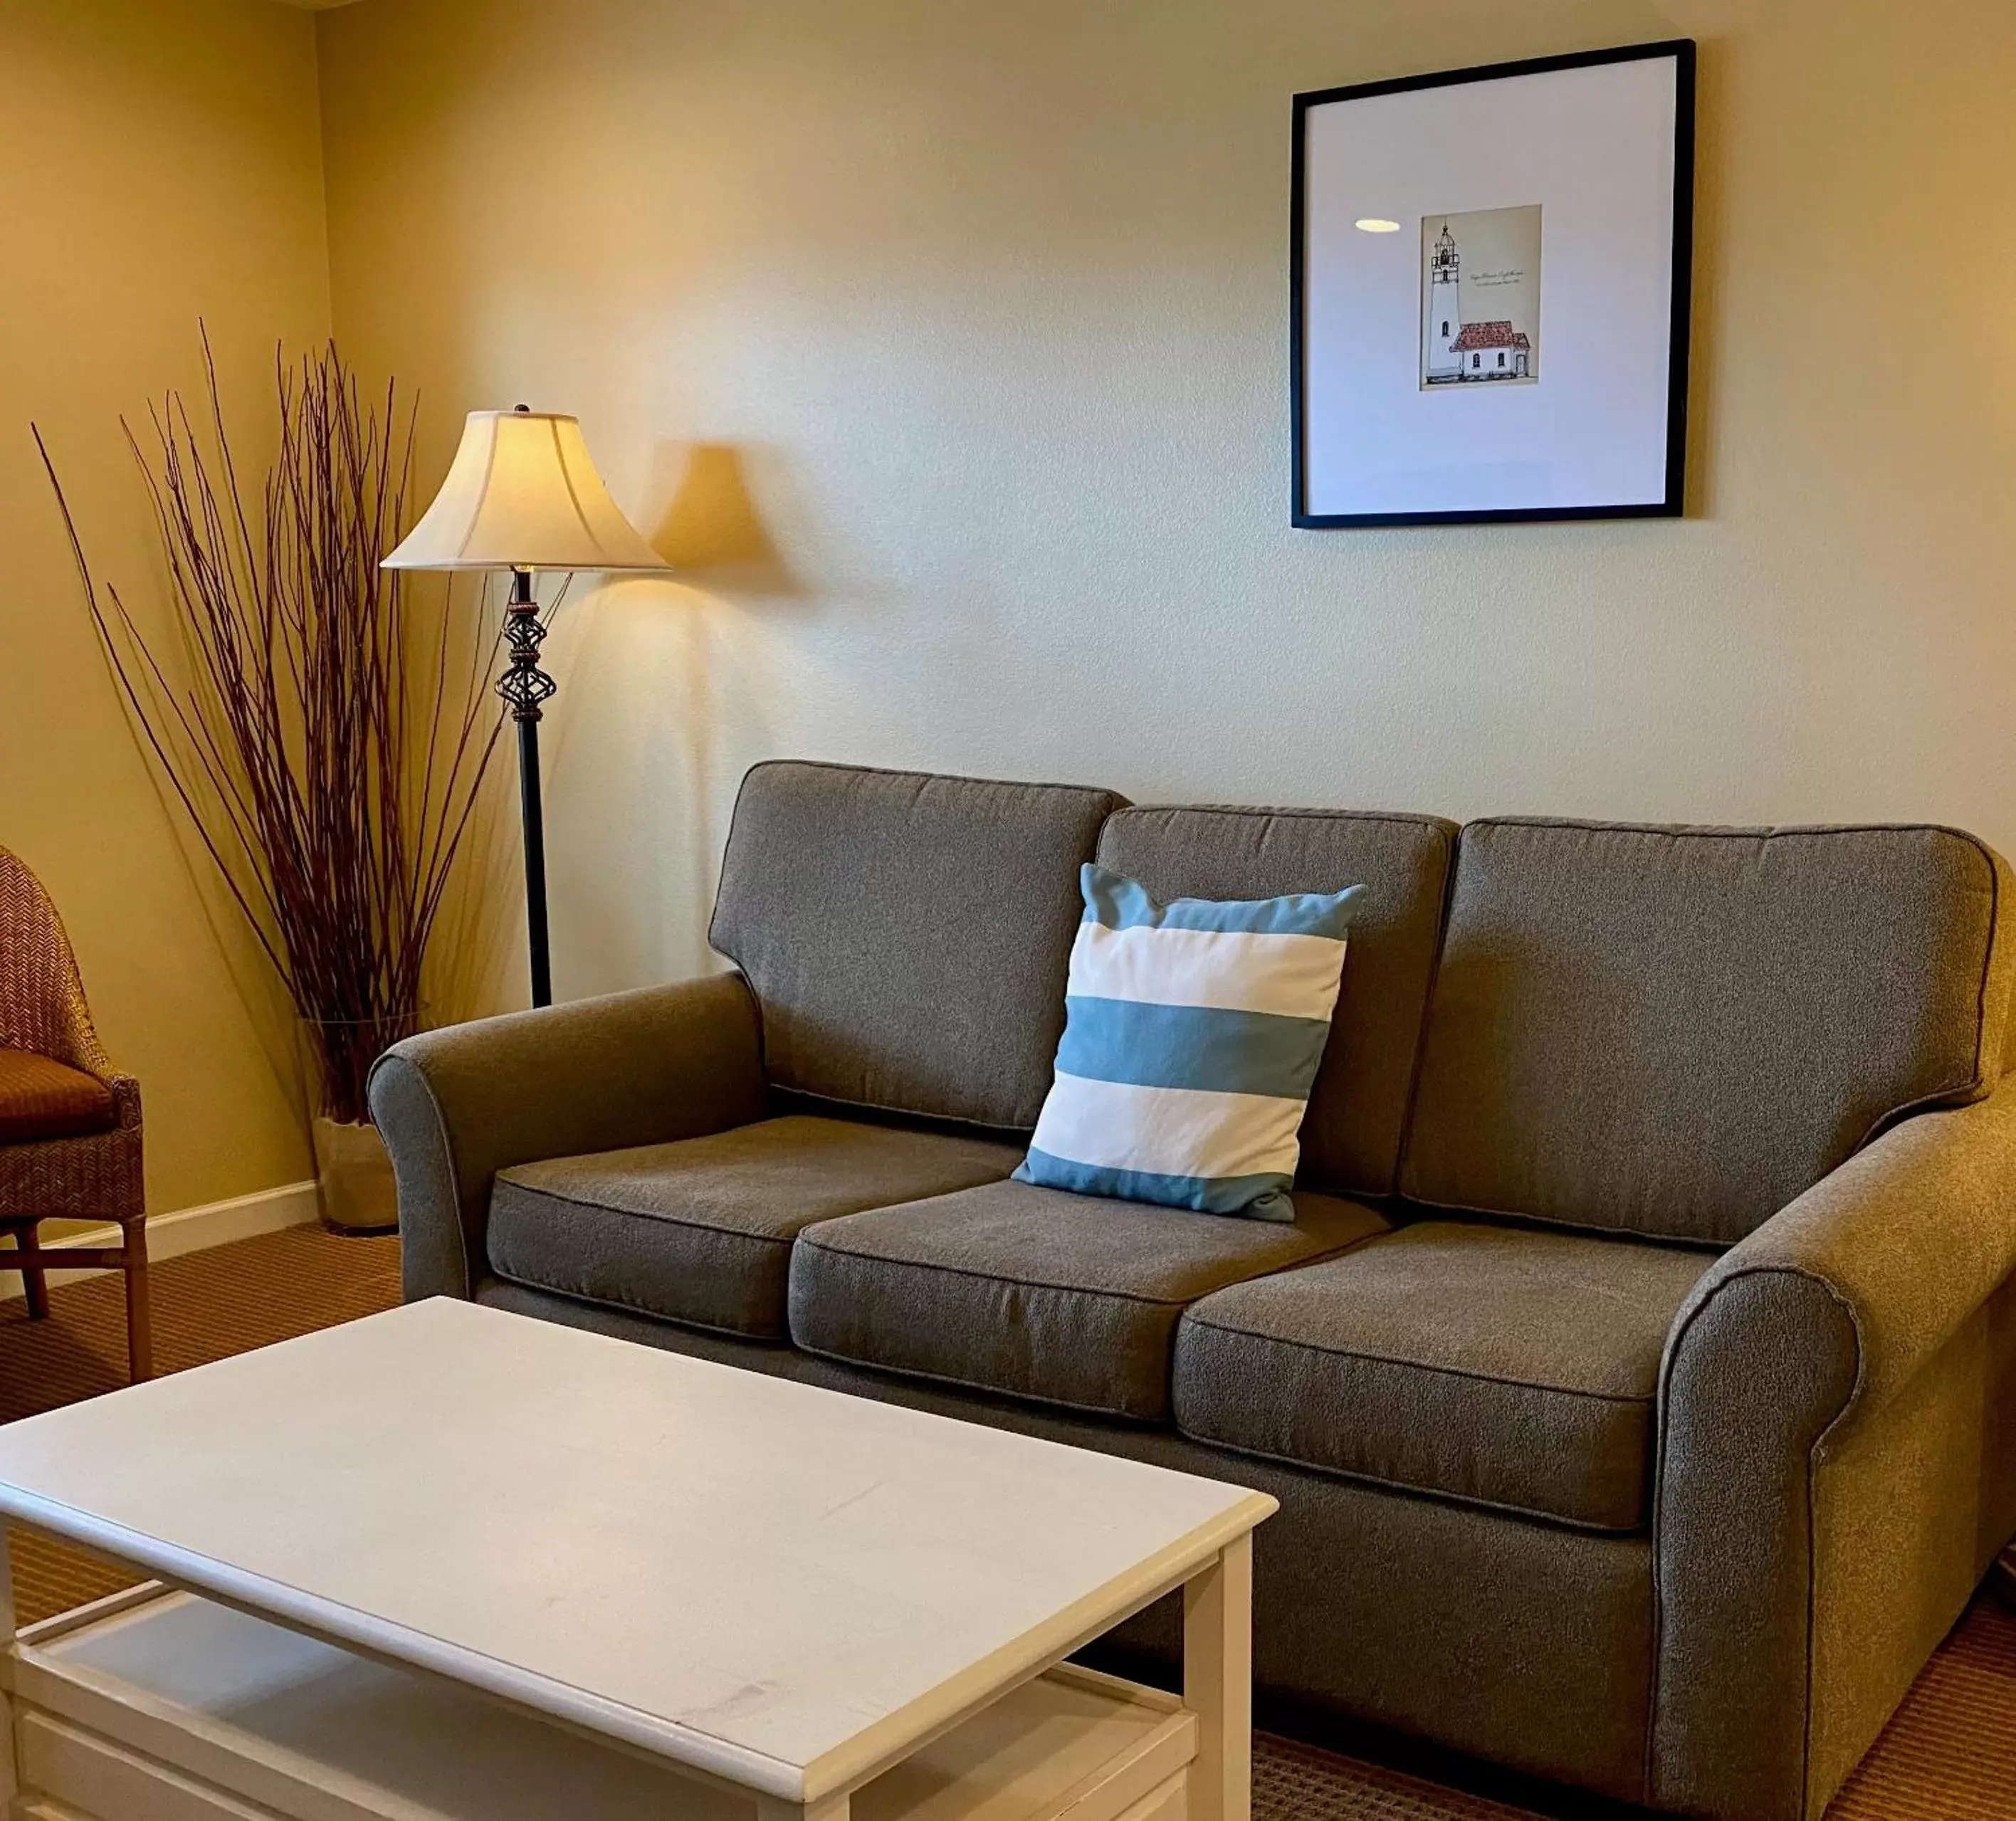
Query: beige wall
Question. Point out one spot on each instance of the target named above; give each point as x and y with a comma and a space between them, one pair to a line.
986, 303
942, 341
158, 163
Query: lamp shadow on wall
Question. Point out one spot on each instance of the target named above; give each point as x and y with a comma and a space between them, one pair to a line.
720, 548
653, 687
710, 529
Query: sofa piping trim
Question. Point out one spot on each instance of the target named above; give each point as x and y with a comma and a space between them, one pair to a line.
984, 1130
807, 1238
1648, 1399
447, 1158
1896, 1114
1393, 818
699, 1226
633, 1308
786, 1240
1849, 1404
1519, 1384
1956, 1093
1425, 1494
1105, 1412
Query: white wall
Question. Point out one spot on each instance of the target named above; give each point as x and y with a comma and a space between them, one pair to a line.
986, 303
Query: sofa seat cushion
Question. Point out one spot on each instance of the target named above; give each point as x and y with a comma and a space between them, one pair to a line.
1499, 1365
1038, 1292
41, 1098
700, 1231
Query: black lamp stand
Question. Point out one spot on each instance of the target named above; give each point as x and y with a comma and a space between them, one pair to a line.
525, 686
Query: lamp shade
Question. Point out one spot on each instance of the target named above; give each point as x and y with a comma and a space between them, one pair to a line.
522, 494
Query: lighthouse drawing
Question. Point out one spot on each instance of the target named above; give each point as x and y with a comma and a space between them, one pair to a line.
1480, 298
1444, 318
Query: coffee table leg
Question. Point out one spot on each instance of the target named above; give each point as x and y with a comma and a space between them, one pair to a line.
10, 1785
1218, 1684
828, 1809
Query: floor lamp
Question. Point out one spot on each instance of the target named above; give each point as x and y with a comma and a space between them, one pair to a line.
522, 494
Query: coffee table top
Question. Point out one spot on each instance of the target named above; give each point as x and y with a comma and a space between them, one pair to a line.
780, 1585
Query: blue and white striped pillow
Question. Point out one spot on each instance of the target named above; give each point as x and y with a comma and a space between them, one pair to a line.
1192, 1035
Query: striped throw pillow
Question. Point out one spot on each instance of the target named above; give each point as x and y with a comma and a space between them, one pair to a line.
1192, 1034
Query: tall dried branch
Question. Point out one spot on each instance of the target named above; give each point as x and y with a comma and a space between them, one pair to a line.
329, 755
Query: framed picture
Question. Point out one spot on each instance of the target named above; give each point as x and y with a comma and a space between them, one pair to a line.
1489, 280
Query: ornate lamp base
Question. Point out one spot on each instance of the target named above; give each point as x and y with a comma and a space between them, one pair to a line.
525, 686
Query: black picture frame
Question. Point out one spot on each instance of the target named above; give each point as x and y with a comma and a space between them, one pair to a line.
1672, 502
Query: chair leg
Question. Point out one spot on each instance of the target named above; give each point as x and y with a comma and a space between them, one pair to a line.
34, 1283
139, 1321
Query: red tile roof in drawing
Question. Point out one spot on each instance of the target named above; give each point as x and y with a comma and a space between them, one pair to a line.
1476, 335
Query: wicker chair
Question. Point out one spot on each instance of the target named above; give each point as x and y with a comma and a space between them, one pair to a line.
69, 1122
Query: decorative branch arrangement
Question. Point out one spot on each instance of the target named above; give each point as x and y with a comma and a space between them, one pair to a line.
328, 756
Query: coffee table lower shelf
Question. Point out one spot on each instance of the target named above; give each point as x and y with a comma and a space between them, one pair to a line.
156, 1705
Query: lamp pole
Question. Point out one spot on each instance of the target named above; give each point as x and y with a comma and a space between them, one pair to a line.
525, 686
522, 494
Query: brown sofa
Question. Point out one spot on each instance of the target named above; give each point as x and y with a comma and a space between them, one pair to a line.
1638, 1379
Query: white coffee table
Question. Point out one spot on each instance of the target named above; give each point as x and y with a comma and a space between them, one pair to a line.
448, 1562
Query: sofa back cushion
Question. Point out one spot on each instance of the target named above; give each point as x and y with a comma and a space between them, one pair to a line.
1351, 1135
906, 935
1674, 1031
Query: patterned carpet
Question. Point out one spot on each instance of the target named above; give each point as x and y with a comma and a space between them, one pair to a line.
1949, 1754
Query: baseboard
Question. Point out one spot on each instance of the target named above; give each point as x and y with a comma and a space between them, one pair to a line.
195, 1229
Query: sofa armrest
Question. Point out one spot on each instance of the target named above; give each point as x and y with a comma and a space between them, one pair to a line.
456, 1106
1823, 1371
